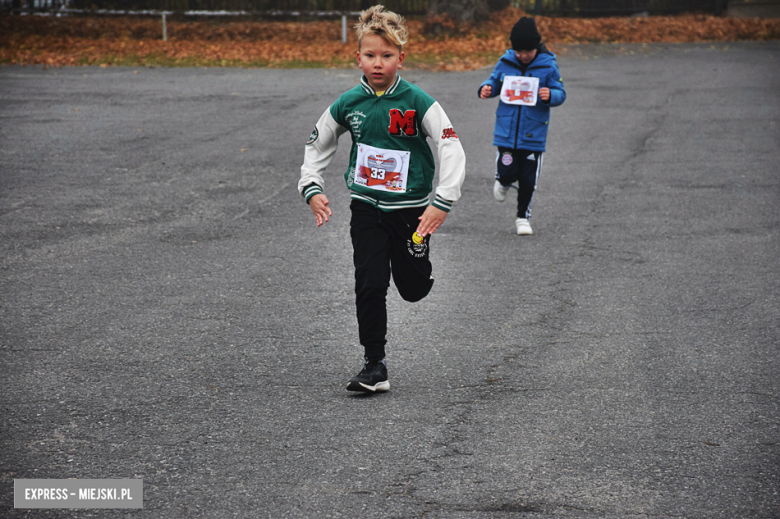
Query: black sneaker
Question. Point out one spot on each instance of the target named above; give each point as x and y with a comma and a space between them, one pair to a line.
373, 377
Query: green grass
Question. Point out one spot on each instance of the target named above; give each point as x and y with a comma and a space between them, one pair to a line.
157, 60
160, 60
163, 61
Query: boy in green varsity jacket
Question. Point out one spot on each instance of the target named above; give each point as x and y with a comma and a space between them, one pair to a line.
390, 178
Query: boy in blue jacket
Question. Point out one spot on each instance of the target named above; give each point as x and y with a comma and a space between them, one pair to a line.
521, 128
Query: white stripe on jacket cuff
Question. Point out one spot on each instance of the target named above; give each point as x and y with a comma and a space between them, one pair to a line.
440, 203
311, 190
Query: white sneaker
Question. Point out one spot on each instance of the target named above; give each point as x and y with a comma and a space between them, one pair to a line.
499, 191
523, 227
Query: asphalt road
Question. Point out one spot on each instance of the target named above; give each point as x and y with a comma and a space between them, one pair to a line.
169, 310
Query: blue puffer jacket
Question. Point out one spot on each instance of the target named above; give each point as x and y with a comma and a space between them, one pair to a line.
525, 127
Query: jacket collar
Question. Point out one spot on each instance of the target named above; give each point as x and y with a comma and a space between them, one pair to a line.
369, 90
543, 58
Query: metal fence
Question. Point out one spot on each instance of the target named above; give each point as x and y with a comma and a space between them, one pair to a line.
592, 8
32, 5
406, 7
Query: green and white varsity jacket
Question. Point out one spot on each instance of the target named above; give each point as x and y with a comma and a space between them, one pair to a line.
391, 165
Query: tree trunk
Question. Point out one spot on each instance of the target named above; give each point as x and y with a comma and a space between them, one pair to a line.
460, 11
498, 5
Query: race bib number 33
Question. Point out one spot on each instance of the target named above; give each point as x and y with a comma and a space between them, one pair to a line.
380, 169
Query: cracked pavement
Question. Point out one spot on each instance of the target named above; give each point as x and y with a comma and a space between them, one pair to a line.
170, 311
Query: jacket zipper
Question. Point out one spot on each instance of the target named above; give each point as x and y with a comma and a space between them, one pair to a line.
519, 107
519, 113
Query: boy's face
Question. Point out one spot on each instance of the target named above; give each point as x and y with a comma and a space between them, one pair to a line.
525, 56
380, 61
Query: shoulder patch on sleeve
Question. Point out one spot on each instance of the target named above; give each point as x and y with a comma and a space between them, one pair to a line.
449, 133
315, 134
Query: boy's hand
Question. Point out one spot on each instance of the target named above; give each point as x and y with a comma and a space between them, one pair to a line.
319, 206
544, 94
485, 91
431, 220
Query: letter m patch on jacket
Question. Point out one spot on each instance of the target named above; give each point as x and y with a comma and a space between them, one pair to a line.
403, 123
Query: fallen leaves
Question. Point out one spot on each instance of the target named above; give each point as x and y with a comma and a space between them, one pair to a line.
36, 40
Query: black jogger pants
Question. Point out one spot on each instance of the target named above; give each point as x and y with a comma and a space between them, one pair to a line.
385, 243
523, 167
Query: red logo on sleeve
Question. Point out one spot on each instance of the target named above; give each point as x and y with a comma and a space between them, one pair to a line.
449, 133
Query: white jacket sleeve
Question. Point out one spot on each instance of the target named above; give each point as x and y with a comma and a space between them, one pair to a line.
320, 148
452, 158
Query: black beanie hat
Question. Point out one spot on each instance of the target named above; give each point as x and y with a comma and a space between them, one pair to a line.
525, 35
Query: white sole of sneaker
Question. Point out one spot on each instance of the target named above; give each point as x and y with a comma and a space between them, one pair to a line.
380, 386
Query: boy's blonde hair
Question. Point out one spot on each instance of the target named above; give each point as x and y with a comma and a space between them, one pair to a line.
387, 24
